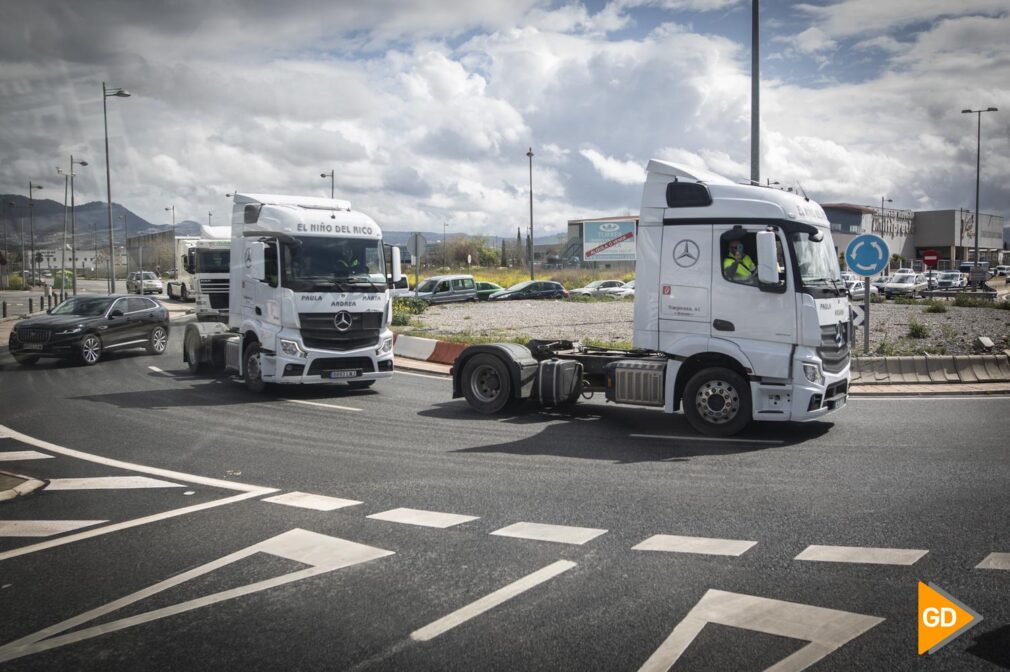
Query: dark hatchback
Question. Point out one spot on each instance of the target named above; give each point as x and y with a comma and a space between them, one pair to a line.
531, 289
83, 327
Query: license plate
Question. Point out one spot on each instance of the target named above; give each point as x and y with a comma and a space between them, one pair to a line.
345, 373
31, 346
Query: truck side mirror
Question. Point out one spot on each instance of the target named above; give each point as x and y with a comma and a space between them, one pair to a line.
255, 261
767, 265
397, 267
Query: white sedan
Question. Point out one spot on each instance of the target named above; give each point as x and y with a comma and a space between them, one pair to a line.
856, 290
597, 287
628, 289
906, 284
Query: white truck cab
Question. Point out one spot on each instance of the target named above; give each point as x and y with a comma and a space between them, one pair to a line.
740, 314
309, 297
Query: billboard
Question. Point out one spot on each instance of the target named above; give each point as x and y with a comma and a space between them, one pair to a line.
608, 241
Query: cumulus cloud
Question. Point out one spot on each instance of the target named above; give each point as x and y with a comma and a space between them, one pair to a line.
615, 170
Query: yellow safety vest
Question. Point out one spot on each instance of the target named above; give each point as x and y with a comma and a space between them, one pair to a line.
744, 268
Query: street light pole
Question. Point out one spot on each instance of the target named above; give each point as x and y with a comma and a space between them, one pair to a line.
445, 223
332, 183
73, 221
31, 226
63, 250
532, 240
978, 169
119, 93
209, 216
174, 233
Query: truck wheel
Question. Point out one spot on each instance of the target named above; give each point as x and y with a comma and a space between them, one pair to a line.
192, 346
252, 372
157, 341
717, 402
486, 384
26, 360
360, 384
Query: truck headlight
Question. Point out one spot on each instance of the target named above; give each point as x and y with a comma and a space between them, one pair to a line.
387, 345
291, 348
813, 373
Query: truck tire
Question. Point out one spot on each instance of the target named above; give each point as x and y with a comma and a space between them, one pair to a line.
717, 402
360, 384
192, 347
252, 374
486, 384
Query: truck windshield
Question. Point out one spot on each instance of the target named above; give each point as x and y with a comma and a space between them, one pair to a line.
213, 261
817, 262
319, 264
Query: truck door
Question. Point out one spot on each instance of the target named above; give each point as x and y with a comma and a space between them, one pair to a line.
760, 320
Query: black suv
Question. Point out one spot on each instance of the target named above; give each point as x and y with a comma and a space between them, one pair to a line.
83, 327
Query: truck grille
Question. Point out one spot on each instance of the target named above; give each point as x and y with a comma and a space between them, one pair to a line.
319, 331
218, 301
214, 285
834, 357
31, 335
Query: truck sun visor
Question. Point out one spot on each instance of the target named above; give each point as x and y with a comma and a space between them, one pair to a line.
687, 195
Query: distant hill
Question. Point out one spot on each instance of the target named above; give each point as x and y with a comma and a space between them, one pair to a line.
90, 221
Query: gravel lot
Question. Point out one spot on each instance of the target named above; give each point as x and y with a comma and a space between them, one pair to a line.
953, 332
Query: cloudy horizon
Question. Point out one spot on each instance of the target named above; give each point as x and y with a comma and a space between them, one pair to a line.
425, 111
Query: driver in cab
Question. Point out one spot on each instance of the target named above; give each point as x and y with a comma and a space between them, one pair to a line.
738, 266
347, 262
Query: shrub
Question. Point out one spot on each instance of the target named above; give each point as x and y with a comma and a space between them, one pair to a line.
917, 329
409, 305
936, 307
904, 300
16, 281
886, 349
400, 319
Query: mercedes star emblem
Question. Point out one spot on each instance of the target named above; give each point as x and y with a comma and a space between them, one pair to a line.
685, 253
342, 320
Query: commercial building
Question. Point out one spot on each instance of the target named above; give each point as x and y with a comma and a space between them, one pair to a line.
908, 233
601, 242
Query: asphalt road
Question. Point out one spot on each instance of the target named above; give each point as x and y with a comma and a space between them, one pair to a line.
196, 570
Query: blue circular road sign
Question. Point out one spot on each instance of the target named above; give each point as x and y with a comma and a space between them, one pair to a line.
867, 255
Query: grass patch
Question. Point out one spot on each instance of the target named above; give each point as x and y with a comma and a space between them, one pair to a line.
948, 332
886, 348
963, 301
917, 329
905, 300
571, 278
936, 306
614, 345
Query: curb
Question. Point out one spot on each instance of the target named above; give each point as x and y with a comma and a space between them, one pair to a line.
931, 369
427, 349
27, 486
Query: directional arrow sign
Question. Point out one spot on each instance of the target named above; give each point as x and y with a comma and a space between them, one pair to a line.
857, 315
867, 255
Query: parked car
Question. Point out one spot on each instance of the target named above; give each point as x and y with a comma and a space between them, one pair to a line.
905, 284
932, 278
486, 289
152, 285
448, 289
951, 280
880, 281
84, 327
849, 277
857, 291
905, 270
622, 292
597, 287
1002, 270
532, 289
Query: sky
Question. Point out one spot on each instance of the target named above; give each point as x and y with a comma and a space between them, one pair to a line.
425, 111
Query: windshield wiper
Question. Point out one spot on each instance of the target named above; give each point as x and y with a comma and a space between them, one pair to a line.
367, 278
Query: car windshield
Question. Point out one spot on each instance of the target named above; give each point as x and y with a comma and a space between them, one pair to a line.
427, 286
949, 276
213, 261
904, 279
594, 284
815, 258
84, 306
321, 264
148, 275
520, 285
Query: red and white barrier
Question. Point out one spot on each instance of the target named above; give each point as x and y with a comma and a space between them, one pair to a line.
427, 349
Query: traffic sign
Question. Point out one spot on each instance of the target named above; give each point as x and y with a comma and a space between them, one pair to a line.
416, 244
858, 316
867, 255
930, 257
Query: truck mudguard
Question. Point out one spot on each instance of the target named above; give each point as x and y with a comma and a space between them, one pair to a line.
521, 364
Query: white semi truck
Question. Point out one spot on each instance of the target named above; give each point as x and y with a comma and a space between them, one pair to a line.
203, 271
309, 298
730, 335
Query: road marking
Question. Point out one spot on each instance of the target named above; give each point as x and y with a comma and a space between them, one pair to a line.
321, 552
401, 372
861, 555
995, 561
153, 471
929, 397
672, 543
705, 438
42, 528
109, 483
825, 629
423, 518
561, 534
164, 373
317, 403
304, 500
18, 455
488, 602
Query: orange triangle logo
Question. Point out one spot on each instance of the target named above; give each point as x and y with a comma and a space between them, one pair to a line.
942, 618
